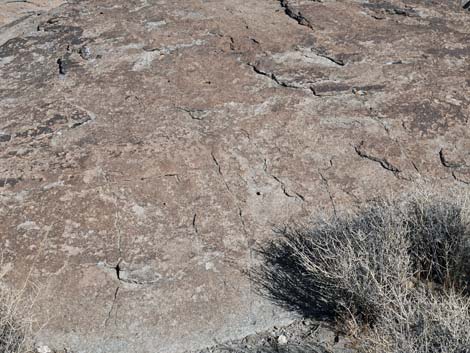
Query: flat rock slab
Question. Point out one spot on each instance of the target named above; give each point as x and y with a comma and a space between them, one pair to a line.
147, 146
15, 10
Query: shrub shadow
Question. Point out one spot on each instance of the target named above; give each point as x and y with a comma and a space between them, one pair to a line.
283, 280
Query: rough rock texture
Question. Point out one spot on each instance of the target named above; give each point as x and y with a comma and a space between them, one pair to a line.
20, 17
19, 10
147, 146
302, 336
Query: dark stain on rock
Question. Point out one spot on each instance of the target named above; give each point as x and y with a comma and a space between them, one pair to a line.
51, 24
371, 87
12, 47
63, 64
59, 28
9, 182
330, 89
363, 90
382, 7
5, 137
460, 53
40, 130
424, 116
56, 119
87, 140
26, 51
427, 118
79, 118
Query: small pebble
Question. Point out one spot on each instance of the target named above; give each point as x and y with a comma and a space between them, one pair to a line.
44, 349
4, 137
282, 340
85, 52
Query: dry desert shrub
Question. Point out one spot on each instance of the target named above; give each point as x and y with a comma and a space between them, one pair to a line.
424, 322
15, 320
395, 275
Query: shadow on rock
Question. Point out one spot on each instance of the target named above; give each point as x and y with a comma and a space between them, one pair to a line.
282, 279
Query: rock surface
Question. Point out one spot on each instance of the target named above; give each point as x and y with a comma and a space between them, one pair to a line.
146, 146
18, 10
302, 336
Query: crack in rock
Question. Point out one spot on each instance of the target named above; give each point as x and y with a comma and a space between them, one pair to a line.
195, 114
219, 171
460, 180
194, 224
135, 275
113, 304
242, 220
284, 189
334, 60
309, 56
295, 15
272, 77
80, 123
328, 190
240, 213
457, 164
447, 162
381, 160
